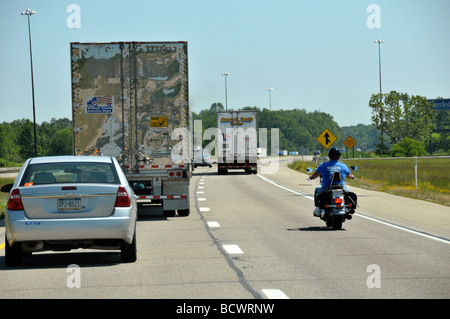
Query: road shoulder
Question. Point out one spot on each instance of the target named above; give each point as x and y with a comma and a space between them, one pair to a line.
423, 216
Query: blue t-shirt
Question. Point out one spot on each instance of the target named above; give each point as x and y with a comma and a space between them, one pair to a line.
328, 168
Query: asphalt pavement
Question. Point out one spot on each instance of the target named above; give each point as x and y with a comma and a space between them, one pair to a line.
423, 216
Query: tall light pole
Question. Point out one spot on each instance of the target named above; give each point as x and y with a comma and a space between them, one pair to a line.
379, 41
379, 58
226, 94
270, 106
29, 13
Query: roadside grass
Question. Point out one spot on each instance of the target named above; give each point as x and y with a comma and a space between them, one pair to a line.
4, 196
396, 176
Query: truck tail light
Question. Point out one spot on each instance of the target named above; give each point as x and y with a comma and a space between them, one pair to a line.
175, 174
15, 200
123, 200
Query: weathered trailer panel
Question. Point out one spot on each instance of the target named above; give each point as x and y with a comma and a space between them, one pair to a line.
130, 101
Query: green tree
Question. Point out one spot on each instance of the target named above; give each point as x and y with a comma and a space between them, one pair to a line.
61, 142
408, 148
400, 115
25, 138
378, 119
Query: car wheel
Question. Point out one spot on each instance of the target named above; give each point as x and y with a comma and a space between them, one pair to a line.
128, 252
13, 254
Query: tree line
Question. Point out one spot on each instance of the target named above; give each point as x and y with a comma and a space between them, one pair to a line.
17, 140
402, 125
298, 128
408, 125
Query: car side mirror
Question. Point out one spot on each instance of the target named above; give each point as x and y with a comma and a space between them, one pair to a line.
7, 188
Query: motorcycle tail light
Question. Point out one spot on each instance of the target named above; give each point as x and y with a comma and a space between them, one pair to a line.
338, 202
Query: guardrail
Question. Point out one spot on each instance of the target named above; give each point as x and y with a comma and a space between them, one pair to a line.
394, 158
4, 170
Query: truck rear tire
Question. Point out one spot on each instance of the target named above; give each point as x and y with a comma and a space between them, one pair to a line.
184, 212
169, 213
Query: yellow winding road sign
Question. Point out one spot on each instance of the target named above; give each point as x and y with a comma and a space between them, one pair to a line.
349, 142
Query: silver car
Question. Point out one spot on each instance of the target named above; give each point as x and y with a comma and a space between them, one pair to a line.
68, 202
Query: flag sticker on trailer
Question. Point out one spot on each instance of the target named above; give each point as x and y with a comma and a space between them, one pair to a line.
100, 104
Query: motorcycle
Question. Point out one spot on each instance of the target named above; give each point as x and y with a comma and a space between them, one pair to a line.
335, 203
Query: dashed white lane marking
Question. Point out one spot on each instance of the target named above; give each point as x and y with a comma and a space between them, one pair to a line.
200, 187
232, 249
201, 199
236, 250
274, 294
213, 224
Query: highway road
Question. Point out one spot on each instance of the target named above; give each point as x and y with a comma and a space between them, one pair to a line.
255, 237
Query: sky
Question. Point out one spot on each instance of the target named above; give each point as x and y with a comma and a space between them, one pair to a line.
316, 55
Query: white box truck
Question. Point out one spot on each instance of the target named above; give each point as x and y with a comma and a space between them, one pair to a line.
130, 101
237, 141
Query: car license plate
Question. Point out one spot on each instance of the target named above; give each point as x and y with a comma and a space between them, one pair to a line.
69, 204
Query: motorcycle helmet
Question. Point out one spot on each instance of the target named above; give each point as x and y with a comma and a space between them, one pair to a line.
334, 153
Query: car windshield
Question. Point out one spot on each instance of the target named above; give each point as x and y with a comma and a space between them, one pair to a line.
70, 172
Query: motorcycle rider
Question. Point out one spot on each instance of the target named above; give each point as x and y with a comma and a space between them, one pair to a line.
326, 170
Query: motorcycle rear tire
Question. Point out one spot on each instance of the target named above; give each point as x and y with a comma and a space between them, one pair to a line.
337, 223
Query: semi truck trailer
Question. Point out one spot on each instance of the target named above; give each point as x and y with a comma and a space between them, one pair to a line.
130, 101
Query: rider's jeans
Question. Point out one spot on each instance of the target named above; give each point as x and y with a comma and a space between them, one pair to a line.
320, 189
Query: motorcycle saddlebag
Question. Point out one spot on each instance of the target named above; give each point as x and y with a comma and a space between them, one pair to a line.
323, 199
351, 198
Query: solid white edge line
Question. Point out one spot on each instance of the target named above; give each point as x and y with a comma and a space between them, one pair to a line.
274, 294
443, 240
284, 187
416, 232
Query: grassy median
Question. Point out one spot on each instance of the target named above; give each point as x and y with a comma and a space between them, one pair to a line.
397, 176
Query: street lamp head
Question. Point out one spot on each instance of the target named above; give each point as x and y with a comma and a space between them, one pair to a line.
225, 73
269, 89
28, 12
378, 41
